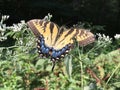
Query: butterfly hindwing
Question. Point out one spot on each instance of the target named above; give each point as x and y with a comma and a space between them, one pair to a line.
56, 42
84, 37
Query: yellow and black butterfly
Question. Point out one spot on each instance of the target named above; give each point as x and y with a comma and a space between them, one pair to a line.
56, 42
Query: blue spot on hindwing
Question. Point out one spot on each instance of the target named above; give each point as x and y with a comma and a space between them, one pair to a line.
47, 50
54, 54
58, 53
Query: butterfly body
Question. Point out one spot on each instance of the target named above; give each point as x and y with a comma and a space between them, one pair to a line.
55, 42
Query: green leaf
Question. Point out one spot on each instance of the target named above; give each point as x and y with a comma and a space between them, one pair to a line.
68, 63
117, 84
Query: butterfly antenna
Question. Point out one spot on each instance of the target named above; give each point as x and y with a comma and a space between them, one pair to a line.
53, 65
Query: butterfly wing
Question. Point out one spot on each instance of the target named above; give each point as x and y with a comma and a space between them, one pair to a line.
54, 41
82, 36
48, 30
47, 33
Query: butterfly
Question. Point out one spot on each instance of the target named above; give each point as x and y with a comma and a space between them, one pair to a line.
54, 41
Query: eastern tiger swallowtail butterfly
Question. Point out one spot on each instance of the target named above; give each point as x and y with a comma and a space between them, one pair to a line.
54, 41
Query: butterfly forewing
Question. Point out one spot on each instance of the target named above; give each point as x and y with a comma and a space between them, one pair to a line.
82, 36
65, 39
47, 29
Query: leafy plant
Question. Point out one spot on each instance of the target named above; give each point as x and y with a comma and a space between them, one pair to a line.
94, 67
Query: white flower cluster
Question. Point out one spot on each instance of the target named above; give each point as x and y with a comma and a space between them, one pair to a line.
17, 27
117, 36
3, 28
103, 37
4, 17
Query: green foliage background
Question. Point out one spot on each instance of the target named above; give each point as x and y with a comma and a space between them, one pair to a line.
94, 67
